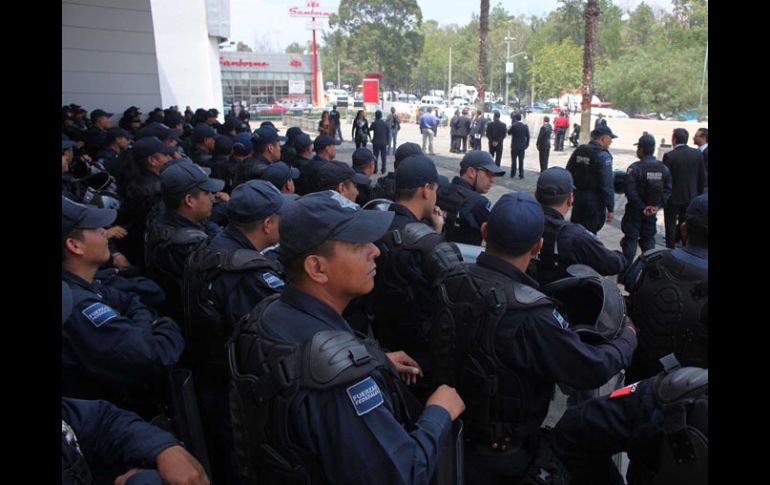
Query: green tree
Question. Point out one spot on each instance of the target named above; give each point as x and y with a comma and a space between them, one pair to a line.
381, 36
640, 27
242, 47
297, 48
557, 67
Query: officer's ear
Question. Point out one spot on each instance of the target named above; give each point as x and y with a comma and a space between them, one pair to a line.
570, 199
316, 267
74, 246
536, 248
484, 231
683, 230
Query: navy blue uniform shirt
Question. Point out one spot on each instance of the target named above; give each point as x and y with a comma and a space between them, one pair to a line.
112, 341
542, 350
578, 245
605, 196
372, 448
173, 259
633, 181
234, 294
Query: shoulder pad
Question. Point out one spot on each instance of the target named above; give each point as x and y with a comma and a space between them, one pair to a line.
334, 357
528, 296
187, 235
414, 232
653, 254
681, 384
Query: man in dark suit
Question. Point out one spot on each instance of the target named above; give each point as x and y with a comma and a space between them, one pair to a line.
496, 133
543, 143
688, 177
519, 143
701, 140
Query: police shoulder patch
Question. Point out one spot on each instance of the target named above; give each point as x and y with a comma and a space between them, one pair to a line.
272, 280
562, 322
629, 170
99, 314
365, 396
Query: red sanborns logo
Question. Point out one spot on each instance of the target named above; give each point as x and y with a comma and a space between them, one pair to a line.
307, 12
312, 4
295, 63
241, 62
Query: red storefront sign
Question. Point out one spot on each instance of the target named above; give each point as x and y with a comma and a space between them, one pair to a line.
242, 63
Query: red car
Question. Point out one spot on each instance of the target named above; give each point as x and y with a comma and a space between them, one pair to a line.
277, 108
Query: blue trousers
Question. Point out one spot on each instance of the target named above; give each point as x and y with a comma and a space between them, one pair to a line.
382, 150
591, 214
637, 229
392, 142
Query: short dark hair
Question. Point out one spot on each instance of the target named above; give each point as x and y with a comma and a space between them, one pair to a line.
494, 248
246, 226
546, 119
173, 201
698, 231
680, 136
552, 200
73, 234
262, 147
378, 114
704, 132
646, 149
294, 269
517, 117
408, 194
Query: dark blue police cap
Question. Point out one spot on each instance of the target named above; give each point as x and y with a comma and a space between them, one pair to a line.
302, 141
150, 145
646, 141
554, 182
362, 156
515, 222
415, 171
158, 130
483, 160
242, 144
173, 118
278, 174
185, 176
253, 200
66, 142
223, 145
699, 207
82, 216
405, 150
98, 113
602, 130
265, 135
203, 131
292, 132
323, 141
332, 217
115, 132
269, 124
174, 161
333, 172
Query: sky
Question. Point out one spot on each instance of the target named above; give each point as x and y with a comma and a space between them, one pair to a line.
266, 24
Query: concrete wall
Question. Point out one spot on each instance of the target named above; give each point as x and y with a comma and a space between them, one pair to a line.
108, 55
187, 56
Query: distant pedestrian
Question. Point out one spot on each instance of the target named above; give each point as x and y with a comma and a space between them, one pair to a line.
360, 132
380, 137
335, 116
429, 129
394, 123
543, 143
326, 125
561, 125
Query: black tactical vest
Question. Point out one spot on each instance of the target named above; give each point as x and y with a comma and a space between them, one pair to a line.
205, 329
669, 304
74, 469
451, 200
547, 267
268, 373
492, 392
650, 183
584, 164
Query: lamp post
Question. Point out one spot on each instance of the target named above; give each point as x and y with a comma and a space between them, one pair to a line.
509, 70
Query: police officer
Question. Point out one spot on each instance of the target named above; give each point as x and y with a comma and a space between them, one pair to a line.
363, 163
466, 209
401, 301
496, 131
227, 169
591, 168
282, 176
222, 282
522, 345
188, 195
338, 176
565, 243
519, 143
109, 158
112, 344
303, 147
96, 136
385, 188
647, 187
669, 298
267, 150
70, 186
338, 420
204, 140
661, 422
325, 148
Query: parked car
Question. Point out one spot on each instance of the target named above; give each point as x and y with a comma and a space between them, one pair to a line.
646, 116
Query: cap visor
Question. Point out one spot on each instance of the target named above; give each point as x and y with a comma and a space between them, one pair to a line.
364, 227
360, 178
288, 200
294, 173
95, 218
282, 139
212, 185
494, 169
336, 142
169, 150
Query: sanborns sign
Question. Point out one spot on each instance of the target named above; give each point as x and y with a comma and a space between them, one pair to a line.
309, 11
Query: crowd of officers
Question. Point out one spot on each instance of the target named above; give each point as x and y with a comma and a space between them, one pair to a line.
326, 343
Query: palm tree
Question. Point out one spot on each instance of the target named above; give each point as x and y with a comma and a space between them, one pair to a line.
483, 31
589, 47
